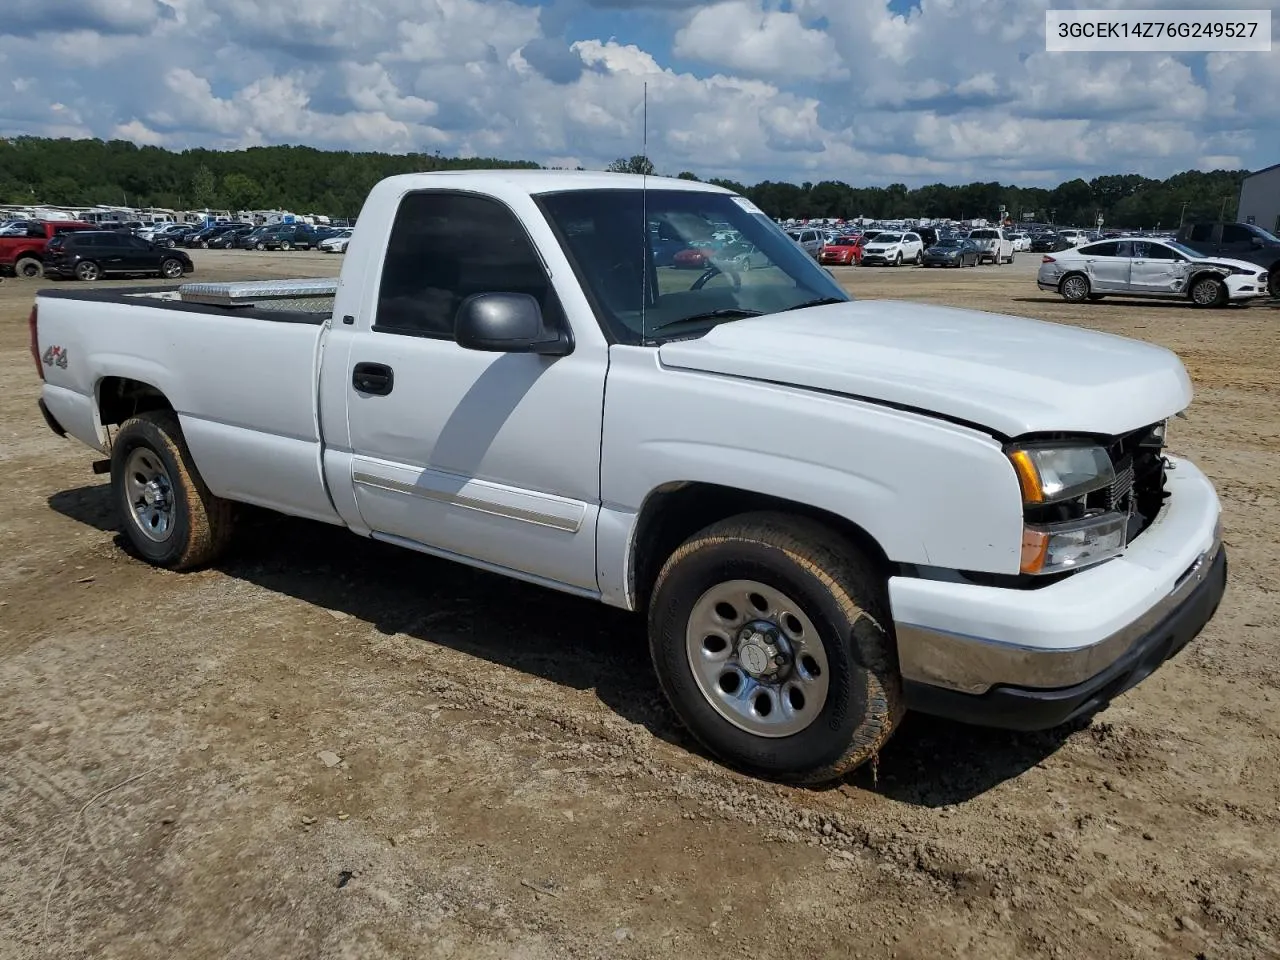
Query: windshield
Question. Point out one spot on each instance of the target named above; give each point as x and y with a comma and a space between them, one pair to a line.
982, 235
948, 242
1264, 234
636, 289
844, 242
1185, 251
888, 237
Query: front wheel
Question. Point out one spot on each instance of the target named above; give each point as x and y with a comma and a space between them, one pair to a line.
897, 261
1208, 292
285, 245
171, 269
768, 636
168, 514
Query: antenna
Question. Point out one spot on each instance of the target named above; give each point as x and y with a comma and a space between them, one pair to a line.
644, 208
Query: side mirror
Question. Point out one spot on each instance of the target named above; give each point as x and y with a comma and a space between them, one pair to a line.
1256, 243
507, 323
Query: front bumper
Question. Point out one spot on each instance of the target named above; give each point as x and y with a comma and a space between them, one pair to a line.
1032, 658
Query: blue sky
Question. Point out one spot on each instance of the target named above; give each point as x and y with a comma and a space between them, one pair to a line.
866, 91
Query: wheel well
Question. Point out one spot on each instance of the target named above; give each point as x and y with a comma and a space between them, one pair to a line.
1073, 273
1197, 277
675, 512
120, 398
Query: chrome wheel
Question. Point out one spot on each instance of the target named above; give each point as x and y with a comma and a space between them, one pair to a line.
757, 658
88, 271
150, 493
171, 269
1075, 288
1205, 292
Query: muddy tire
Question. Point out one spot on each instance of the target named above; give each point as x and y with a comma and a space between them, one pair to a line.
166, 511
28, 268
768, 635
1074, 288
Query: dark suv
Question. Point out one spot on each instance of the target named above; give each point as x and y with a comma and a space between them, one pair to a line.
92, 254
286, 236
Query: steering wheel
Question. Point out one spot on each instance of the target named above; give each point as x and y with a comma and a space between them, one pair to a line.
712, 270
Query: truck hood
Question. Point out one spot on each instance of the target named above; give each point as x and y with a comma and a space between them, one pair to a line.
1010, 375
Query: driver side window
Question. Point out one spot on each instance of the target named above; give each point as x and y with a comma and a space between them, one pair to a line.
445, 247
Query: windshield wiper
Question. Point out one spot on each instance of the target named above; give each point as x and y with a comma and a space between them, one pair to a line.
820, 302
722, 313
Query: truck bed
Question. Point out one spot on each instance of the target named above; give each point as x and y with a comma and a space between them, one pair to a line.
243, 381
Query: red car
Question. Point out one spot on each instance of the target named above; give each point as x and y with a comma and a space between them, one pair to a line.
690, 258
842, 251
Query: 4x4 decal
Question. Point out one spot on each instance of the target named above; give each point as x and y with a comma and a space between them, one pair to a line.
55, 355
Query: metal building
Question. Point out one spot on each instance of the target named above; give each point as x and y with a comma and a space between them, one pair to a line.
1260, 199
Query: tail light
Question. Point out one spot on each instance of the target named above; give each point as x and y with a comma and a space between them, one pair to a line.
1048, 260
35, 341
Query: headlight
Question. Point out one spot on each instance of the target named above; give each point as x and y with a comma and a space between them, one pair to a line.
1055, 547
1050, 474
1055, 474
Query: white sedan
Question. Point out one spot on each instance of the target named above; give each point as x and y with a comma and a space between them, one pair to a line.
1149, 268
337, 243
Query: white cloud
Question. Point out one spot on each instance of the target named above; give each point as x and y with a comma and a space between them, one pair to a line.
807, 89
744, 36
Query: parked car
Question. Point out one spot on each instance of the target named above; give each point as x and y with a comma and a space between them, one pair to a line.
992, 244
893, 248
691, 258
229, 239
1150, 268
288, 236
842, 251
830, 513
336, 243
93, 254
952, 252
742, 255
928, 236
251, 239
1239, 241
1048, 242
1073, 237
23, 254
810, 240
172, 235
1021, 242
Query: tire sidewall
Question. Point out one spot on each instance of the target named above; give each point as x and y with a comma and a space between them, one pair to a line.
824, 741
165, 262
1220, 292
145, 434
1062, 288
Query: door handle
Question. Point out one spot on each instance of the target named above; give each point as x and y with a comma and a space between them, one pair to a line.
375, 378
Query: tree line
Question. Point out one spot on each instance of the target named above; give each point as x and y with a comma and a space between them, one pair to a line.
307, 180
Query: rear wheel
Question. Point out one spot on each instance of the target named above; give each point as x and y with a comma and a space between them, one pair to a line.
1273, 284
768, 637
29, 268
1074, 288
167, 512
88, 270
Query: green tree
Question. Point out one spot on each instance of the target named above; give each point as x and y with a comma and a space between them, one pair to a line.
636, 164
241, 192
686, 175
203, 186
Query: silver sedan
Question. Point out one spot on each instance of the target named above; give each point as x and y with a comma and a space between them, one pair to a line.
1149, 268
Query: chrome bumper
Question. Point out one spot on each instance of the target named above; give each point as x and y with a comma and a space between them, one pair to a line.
974, 665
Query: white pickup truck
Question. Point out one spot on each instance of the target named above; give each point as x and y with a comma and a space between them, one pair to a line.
831, 511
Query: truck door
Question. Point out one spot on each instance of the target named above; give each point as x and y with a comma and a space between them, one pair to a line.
491, 457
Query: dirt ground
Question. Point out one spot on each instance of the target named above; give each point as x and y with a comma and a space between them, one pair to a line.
330, 748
